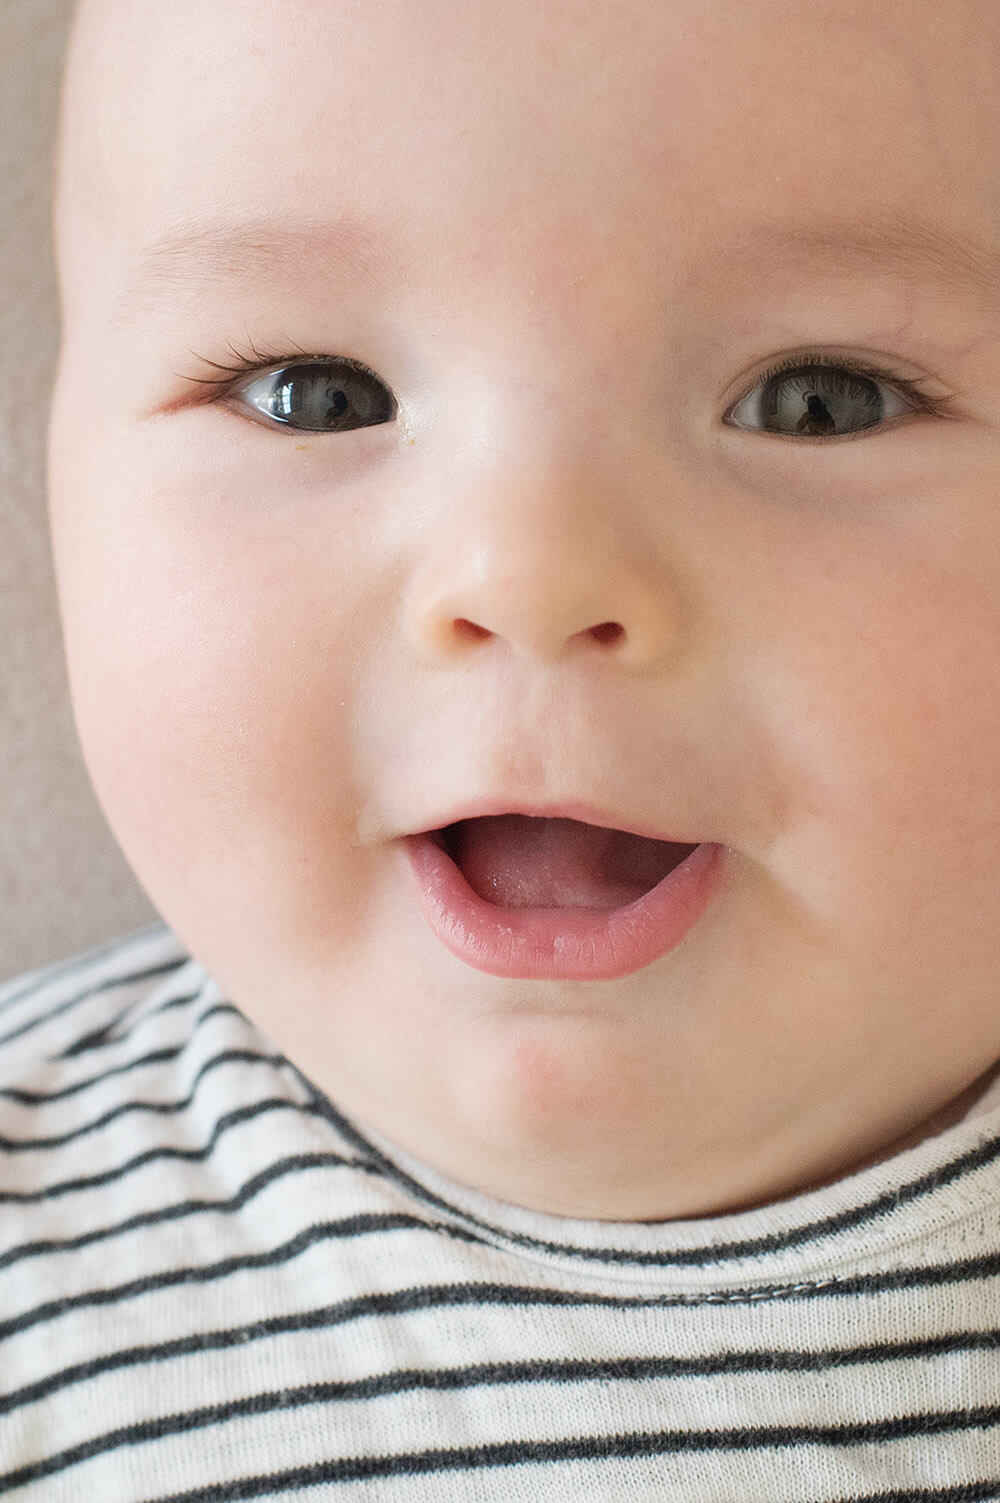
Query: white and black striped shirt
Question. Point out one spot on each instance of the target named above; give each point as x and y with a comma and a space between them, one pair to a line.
213, 1287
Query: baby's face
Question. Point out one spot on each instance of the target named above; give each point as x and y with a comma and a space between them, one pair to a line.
531, 523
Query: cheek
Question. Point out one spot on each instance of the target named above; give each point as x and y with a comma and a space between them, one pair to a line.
887, 701
214, 678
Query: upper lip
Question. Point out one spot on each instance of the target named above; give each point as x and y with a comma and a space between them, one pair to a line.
584, 813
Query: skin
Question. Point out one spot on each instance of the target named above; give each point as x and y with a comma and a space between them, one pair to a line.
594, 227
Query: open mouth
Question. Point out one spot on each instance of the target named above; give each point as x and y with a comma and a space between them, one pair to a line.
526, 861
560, 899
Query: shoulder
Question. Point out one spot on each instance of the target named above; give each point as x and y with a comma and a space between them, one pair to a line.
63, 1009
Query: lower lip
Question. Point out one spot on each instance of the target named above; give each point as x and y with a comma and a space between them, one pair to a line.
560, 944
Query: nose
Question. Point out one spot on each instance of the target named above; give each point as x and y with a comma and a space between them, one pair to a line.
547, 569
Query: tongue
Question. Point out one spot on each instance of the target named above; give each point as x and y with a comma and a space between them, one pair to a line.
519, 861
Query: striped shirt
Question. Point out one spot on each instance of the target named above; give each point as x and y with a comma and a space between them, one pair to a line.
214, 1286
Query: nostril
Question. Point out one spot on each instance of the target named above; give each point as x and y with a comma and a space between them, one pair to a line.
469, 629
608, 631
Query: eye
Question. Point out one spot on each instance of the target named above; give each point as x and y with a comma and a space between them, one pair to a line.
317, 396
821, 400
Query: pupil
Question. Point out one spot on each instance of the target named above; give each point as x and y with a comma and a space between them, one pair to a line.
816, 418
337, 400
820, 402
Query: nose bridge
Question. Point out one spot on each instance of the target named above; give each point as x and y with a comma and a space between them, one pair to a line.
545, 560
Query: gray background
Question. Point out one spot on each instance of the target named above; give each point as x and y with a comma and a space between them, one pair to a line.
64, 885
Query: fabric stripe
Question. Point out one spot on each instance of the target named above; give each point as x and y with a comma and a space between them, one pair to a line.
469, 1458
281, 1169
153, 1155
24, 987
214, 1285
324, 1231
111, 1033
563, 1370
365, 1226
161, 1108
86, 995
262, 1487
973, 1492
156, 1057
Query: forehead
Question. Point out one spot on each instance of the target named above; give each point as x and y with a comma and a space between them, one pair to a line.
694, 122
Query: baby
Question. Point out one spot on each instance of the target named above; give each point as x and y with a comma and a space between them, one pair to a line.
524, 484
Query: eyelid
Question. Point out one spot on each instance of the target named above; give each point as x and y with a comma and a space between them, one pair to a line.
259, 363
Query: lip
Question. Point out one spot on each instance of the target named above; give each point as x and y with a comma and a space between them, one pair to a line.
559, 944
586, 814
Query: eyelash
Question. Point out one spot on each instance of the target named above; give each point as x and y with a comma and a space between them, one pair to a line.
809, 360
249, 363
254, 360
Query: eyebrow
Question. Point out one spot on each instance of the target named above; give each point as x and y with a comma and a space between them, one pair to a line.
202, 256
890, 241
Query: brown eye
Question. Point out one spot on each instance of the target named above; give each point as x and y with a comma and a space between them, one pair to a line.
319, 396
817, 401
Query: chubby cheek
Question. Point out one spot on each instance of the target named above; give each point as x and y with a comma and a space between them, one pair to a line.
214, 677
888, 705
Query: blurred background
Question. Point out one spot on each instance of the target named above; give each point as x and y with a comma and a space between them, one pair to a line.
64, 885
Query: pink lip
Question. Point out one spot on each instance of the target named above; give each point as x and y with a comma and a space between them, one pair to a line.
587, 814
559, 944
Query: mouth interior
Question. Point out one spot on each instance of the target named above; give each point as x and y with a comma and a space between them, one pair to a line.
523, 861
